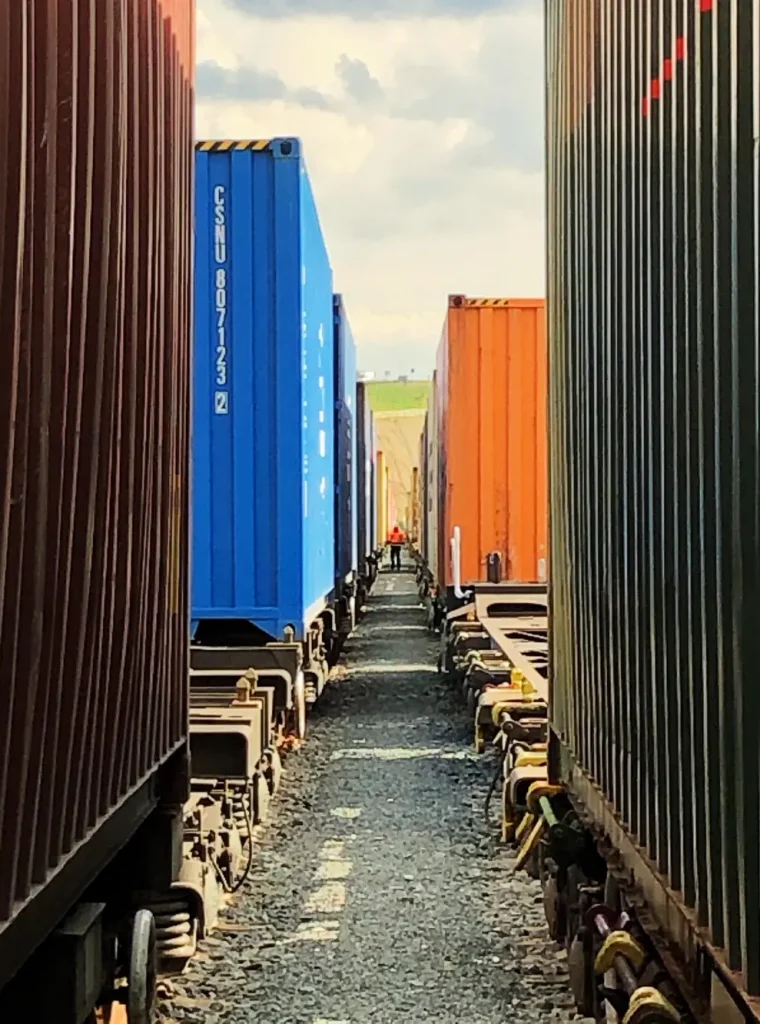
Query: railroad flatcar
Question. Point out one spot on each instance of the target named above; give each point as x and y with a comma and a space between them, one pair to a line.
653, 296
263, 547
96, 128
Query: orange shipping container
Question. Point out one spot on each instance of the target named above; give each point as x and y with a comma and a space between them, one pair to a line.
490, 404
382, 500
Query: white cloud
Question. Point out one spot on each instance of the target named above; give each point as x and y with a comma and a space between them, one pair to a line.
423, 140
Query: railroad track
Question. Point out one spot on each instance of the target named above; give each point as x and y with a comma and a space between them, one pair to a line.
377, 893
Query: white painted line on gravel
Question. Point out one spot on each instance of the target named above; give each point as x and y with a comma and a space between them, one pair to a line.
403, 629
348, 813
333, 849
329, 898
330, 895
316, 931
329, 870
392, 668
398, 608
402, 754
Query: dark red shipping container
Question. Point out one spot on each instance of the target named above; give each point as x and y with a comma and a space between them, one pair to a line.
96, 125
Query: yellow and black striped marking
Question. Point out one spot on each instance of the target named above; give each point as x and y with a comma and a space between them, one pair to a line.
226, 145
460, 301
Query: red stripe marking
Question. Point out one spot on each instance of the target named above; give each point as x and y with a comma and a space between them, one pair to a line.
644, 107
680, 48
667, 69
655, 91
705, 5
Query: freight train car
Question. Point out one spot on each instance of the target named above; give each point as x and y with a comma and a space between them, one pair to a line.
346, 484
365, 487
398, 437
263, 544
487, 514
430, 511
382, 498
96, 128
653, 245
422, 489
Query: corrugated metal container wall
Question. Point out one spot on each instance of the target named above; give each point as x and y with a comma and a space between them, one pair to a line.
433, 482
365, 498
398, 433
392, 514
422, 490
263, 482
491, 395
96, 112
345, 445
422, 540
373, 481
381, 477
653, 186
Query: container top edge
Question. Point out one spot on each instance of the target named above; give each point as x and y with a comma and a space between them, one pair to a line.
466, 302
279, 146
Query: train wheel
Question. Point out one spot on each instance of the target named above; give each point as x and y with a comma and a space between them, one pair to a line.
142, 969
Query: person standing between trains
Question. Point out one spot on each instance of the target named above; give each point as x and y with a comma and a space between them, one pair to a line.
395, 539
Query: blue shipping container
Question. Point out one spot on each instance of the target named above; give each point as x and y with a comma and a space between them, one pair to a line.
263, 446
345, 447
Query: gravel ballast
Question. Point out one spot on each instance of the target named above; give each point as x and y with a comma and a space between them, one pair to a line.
378, 894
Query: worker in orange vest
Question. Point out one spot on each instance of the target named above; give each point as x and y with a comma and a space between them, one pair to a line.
395, 539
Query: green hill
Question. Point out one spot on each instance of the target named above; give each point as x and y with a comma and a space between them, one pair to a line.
398, 395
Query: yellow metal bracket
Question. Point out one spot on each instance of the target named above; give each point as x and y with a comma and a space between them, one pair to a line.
536, 791
532, 759
531, 843
497, 710
508, 822
648, 1006
521, 682
619, 944
522, 828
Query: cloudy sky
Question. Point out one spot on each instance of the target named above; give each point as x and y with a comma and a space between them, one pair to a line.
422, 124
